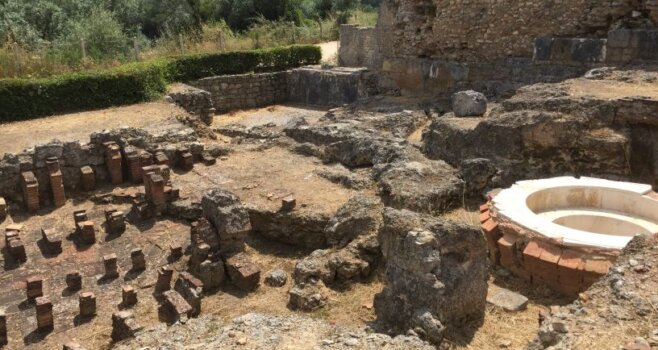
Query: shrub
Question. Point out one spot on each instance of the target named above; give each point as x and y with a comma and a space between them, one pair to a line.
132, 83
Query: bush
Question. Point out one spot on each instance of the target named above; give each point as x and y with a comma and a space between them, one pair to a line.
25, 99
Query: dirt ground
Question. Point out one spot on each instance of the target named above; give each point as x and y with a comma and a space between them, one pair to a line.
17, 136
612, 89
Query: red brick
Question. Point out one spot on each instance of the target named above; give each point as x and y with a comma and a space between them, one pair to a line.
570, 269
507, 248
594, 269
492, 234
485, 216
484, 207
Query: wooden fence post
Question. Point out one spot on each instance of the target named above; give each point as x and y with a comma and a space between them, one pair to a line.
136, 48
83, 49
180, 44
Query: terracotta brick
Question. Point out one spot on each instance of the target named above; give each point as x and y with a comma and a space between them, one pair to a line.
507, 248
492, 235
485, 216
484, 207
570, 269
594, 269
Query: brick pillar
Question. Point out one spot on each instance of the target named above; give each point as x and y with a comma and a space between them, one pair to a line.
34, 287
114, 162
186, 159
88, 178
87, 232
157, 189
111, 267
3, 328
128, 296
73, 281
44, 310
138, 259
161, 158
3, 209
165, 275
114, 221
134, 164
56, 181
87, 304
30, 187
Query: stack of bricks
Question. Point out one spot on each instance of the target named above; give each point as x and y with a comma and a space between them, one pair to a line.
165, 275
141, 207
3, 328
87, 304
13, 242
568, 270
136, 161
138, 259
114, 162
154, 187
30, 191
52, 240
128, 296
56, 181
3, 209
73, 281
33, 287
115, 221
178, 309
161, 159
84, 227
185, 159
88, 179
208, 159
44, 308
191, 289
111, 266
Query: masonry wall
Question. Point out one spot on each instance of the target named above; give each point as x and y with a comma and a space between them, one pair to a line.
231, 92
358, 47
475, 30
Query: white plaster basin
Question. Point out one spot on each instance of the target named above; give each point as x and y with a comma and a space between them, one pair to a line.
581, 212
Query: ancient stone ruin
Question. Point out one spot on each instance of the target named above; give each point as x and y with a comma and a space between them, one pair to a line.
470, 167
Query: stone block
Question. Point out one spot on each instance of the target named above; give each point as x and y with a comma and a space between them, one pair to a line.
124, 325
79, 215
56, 181
212, 274
176, 307
115, 221
87, 178
243, 272
87, 301
44, 309
469, 104
288, 203
17, 250
161, 158
176, 251
191, 289
507, 300
114, 162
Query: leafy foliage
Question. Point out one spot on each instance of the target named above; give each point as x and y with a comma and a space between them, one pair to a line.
137, 82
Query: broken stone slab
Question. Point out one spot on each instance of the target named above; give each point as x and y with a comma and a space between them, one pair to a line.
230, 218
308, 296
469, 104
507, 300
124, 325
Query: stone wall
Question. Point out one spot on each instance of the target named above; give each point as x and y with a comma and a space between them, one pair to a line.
358, 47
325, 87
489, 29
230, 92
193, 100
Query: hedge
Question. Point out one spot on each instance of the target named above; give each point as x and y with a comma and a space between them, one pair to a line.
22, 99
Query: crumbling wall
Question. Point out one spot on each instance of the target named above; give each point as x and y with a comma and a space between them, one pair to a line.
472, 30
243, 91
358, 46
